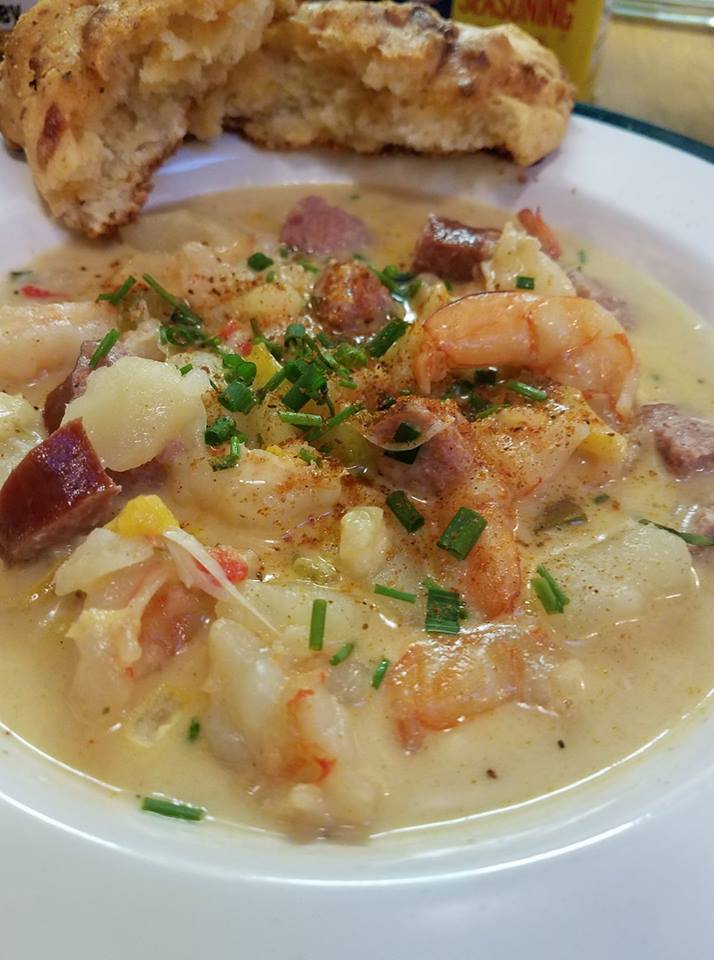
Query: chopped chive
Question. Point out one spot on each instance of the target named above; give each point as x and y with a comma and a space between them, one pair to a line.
526, 390
270, 276
383, 591
386, 337
181, 308
601, 498
301, 419
237, 368
309, 456
194, 729
386, 402
16, 274
172, 808
379, 673
238, 398
405, 512
444, 610
231, 458
403, 456
489, 410
105, 345
186, 368
486, 376
220, 431
347, 384
405, 433
563, 512
342, 654
343, 415
259, 261
284, 250
351, 356
695, 539
274, 382
294, 333
116, 296
548, 591
525, 283
582, 257
317, 624
306, 265
462, 533
325, 340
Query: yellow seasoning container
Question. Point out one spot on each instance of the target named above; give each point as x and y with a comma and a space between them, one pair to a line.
571, 28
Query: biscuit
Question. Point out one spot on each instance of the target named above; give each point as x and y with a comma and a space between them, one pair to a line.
372, 75
98, 93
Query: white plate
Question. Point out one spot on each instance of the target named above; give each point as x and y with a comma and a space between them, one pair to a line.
619, 867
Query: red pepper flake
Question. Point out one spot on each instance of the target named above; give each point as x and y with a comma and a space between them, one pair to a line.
39, 293
228, 329
245, 348
232, 564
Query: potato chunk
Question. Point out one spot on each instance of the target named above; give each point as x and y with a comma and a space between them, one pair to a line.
620, 578
134, 408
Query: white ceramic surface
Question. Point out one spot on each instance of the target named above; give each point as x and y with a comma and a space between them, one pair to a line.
621, 867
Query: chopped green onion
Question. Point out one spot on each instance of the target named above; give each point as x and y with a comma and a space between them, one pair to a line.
601, 498
239, 369
220, 431
317, 624
386, 337
548, 591
403, 456
486, 376
525, 283
351, 356
526, 390
231, 458
309, 456
347, 384
259, 261
116, 296
186, 368
105, 345
306, 265
379, 673
386, 402
194, 729
185, 335
343, 415
325, 340
383, 591
308, 384
284, 250
301, 419
182, 308
462, 533
294, 333
274, 382
695, 539
444, 610
172, 808
404, 511
489, 410
405, 433
238, 398
342, 654
270, 276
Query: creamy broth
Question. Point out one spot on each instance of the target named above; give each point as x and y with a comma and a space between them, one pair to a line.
638, 678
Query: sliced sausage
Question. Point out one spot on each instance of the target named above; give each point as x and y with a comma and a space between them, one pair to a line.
592, 289
685, 442
315, 226
452, 249
58, 490
349, 299
75, 384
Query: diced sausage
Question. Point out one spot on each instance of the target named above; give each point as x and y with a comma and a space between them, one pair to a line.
74, 385
685, 442
452, 249
315, 226
441, 464
592, 289
349, 299
58, 490
534, 224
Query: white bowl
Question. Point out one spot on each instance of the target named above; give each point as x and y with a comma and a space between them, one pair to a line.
620, 866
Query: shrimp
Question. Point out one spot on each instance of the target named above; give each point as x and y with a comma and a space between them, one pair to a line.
43, 339
441, 682
571, 340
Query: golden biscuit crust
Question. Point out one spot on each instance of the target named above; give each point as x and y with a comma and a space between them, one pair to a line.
98, 93
371, 75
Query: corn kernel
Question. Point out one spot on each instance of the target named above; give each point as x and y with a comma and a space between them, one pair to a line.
604, 445
144, 516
